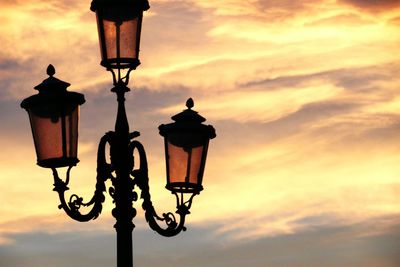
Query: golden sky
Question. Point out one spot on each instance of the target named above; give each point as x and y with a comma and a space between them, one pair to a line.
304, 96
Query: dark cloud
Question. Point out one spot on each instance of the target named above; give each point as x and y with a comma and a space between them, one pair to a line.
364, 244
371, 5
17, 75
73, 249
276, 10
364, 82
383, 136
9, 64
14, 120
354, 79
295, 122
238, 135
284, 4
385, 133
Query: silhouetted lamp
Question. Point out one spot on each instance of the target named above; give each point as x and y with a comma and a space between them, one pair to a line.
186, 144
54, 115
119, 25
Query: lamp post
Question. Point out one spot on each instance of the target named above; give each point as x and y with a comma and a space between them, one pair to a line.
54, 115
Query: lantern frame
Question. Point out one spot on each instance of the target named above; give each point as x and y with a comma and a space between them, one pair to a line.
136, 8
54, 104
189, 133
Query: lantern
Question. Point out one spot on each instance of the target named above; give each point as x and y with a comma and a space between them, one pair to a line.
119, 25
54, 116
186, 144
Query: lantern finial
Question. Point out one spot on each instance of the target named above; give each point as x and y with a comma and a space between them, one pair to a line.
51, 70
189, 103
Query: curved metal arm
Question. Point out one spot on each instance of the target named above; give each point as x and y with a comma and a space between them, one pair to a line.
142, 180
75, 202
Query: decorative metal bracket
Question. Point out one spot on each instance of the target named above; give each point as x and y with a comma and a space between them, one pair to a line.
75, 202
139, 179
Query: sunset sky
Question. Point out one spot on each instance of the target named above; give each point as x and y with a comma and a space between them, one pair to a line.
305, 99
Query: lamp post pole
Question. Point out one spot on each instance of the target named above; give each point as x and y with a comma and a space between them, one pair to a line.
53, 114
123, 184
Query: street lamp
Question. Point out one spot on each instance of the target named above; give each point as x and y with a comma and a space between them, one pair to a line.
186, 145
119, 23
54, 116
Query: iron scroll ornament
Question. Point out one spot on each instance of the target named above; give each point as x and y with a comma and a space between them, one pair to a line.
139, 178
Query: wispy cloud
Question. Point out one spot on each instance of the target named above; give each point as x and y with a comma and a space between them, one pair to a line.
304, 97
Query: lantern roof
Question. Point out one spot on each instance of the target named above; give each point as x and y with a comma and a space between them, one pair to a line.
52, 83
189, 115
141, 5
188, 121
52, 90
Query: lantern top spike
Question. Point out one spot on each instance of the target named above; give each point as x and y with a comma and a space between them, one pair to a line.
51, 70
189, 103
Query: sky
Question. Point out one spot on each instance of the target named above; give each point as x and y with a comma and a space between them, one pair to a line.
304, 96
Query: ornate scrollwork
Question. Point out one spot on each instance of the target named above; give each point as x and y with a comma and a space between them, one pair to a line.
141, 179
75, 202
173, 224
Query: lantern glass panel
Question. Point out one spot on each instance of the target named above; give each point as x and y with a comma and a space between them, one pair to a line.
120, 27
195, 164
55, 133
185, 159
177, 162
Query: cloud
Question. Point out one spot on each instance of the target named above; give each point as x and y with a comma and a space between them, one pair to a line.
330, 246
41, 249
395, 21
265, 97
373, 5
343, 20
359, 84
262, 106
304, 98
307, 115
274, 11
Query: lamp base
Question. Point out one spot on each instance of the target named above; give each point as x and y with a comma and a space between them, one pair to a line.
58, 162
